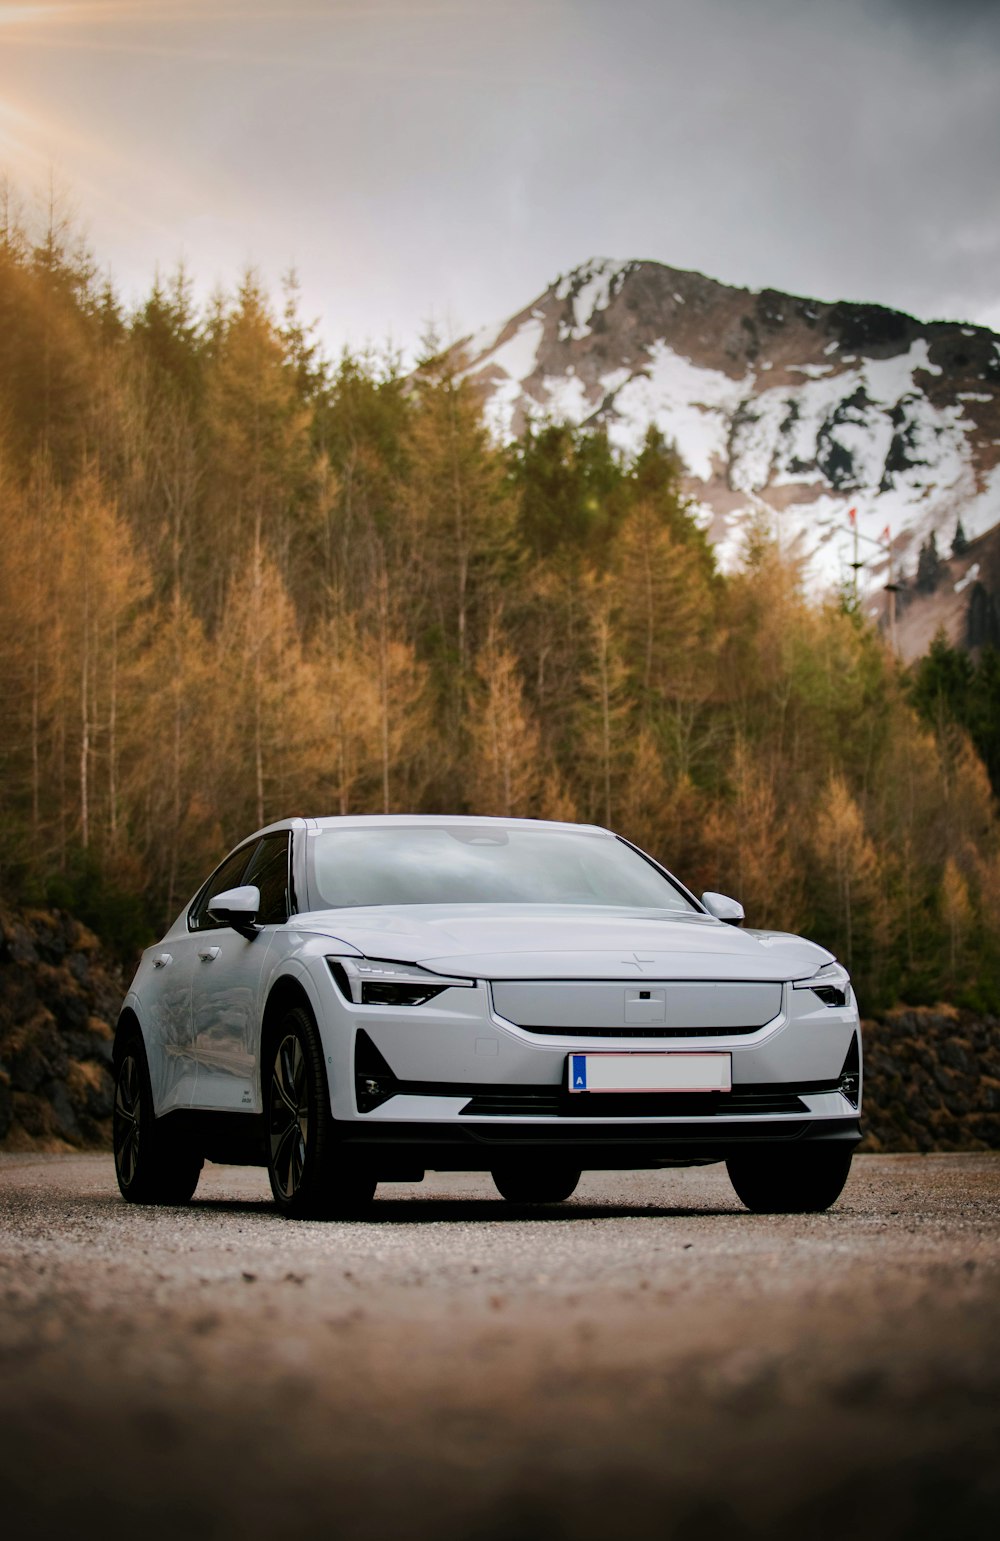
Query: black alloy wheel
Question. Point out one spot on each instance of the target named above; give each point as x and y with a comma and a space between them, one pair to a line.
794, 1182
288, 1130
153, 1165
548, 1183
127, 1124
311, 1173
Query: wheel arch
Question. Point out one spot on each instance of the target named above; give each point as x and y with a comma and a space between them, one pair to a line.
286, 991
294, 986
128, 1026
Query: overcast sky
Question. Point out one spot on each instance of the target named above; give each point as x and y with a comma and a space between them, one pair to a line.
448, 159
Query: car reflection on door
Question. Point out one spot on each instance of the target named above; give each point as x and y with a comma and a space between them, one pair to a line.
225, 1014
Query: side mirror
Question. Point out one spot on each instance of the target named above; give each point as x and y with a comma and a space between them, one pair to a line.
724, 908
237, 907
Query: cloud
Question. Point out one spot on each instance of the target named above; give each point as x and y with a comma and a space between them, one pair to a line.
456, 156
955, 20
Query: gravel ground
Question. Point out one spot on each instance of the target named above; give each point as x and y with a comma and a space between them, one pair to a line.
647, 1360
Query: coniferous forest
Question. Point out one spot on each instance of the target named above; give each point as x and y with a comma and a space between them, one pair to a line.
239, 581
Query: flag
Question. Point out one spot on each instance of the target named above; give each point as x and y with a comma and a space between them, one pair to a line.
852, 515
886, 536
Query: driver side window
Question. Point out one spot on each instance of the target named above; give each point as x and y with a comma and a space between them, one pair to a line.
268, 869
229, 875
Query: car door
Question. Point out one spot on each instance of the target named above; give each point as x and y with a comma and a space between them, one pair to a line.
170, 1046
227, 984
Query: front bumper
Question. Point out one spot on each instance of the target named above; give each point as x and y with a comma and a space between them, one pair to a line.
456, 1082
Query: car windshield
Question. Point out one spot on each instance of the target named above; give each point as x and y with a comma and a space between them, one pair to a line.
482, 864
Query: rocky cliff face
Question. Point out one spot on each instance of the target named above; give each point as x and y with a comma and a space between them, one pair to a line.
59, 1002
932, 1080
779, 405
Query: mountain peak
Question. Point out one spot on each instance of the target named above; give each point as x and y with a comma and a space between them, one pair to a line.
777, 403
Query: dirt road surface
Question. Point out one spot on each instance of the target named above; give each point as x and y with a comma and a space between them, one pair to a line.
647, 1360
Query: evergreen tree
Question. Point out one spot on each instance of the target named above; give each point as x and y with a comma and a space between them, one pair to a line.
928, 566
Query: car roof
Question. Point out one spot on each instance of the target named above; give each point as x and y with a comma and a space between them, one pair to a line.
427, 820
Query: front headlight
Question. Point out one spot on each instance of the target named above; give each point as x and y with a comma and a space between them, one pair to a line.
832, 983
381, 982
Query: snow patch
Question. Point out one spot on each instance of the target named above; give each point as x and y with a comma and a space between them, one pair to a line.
970, 577
591, 287
974, 396
516, 359
518, 356
982, 511
500, 409
614, 380
565, 399
814, 371
480, 342
890, 377
689, 405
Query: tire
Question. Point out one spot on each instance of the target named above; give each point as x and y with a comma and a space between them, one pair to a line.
311, 1174
543, 1184
152, 1164
795, 1182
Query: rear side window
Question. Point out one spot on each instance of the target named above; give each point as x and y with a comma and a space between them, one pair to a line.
229, 875
268, 869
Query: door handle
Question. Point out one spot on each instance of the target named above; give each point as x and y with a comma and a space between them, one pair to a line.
208, 954
162, 959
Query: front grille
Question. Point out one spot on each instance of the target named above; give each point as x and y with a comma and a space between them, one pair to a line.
642, 1008
639, 1032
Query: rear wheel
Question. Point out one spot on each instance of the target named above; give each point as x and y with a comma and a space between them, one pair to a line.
548, 1184
798, 1182
153, 1165
311, 1174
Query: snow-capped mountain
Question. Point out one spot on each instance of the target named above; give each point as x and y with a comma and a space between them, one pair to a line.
792, 407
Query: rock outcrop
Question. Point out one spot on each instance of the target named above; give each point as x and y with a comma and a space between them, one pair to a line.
60, 995
932, 1080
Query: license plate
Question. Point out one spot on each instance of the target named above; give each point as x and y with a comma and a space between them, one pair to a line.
650, 1072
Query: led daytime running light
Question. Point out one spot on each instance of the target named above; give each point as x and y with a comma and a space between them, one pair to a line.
383, 982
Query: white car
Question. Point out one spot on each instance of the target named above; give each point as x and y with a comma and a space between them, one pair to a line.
351, 1001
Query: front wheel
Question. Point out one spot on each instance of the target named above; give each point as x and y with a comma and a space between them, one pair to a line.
310, 1172
549, 1184
793, 1182
152, 1164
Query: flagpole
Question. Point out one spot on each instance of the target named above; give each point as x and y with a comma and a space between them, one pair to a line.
891, 588
852, 515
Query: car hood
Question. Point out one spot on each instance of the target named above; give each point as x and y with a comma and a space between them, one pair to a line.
553, 942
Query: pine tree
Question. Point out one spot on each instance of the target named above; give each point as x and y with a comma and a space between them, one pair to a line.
928, 566
460, 519
503, 770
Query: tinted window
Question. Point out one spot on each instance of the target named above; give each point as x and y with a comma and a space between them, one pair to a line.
269, 870
468, 864
229, 875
